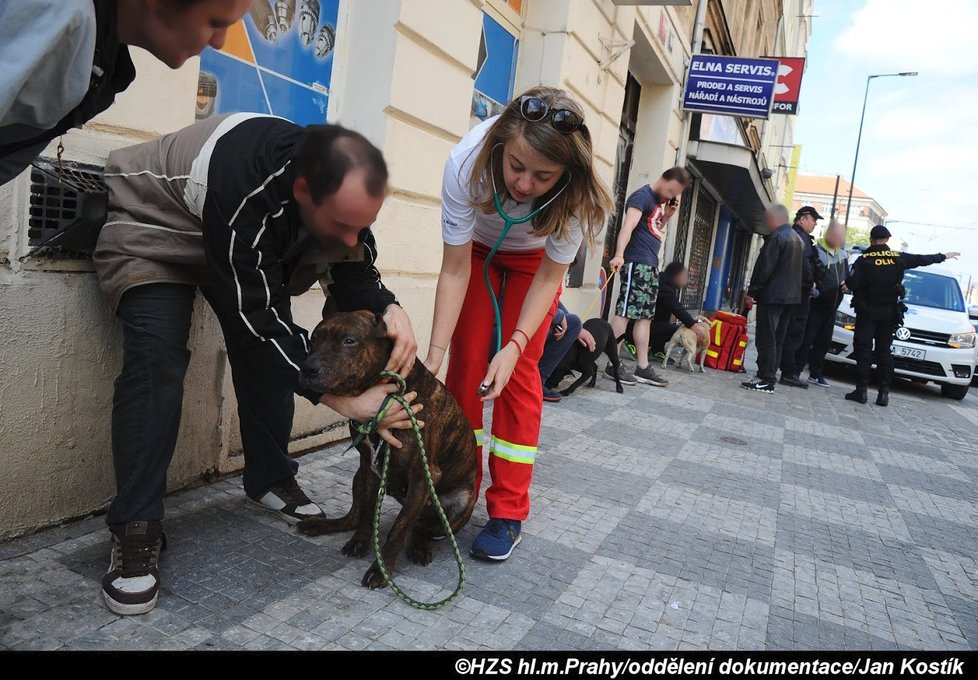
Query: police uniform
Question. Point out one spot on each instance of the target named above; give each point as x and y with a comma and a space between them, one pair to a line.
876, 284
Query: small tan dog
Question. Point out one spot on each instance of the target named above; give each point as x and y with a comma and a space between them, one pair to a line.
694, 342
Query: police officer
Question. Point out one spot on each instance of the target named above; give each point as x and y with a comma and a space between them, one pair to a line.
876, 282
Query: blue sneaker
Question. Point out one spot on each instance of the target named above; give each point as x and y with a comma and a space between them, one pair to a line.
818, 380
497, 540
551, 395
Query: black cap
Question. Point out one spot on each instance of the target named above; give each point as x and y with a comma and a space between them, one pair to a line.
879, 232
807, 210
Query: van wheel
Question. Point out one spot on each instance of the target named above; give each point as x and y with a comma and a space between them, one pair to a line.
954, 391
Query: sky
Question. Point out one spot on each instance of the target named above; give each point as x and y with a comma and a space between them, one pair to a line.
919, 154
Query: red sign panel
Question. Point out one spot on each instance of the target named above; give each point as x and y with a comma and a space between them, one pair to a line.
788, 87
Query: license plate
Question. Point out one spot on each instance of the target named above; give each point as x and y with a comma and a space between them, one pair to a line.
909, 352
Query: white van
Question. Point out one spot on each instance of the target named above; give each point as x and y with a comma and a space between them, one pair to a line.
936, 341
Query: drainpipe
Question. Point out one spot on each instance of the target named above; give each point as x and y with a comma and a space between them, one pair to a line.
697, 45
701, 6
766, 132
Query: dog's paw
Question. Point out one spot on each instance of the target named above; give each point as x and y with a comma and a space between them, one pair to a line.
420, 553
356, 546
373, 579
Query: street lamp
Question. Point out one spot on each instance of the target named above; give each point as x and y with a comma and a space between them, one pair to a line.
859, 139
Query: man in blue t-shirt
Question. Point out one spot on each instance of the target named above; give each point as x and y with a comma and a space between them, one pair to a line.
647, 211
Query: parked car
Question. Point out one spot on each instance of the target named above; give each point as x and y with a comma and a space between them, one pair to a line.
973, 317
936, 342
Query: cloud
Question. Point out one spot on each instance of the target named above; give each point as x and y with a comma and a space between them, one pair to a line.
919, 150
920, 154
935, 38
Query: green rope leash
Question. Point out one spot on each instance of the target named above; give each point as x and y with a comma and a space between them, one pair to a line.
370, 427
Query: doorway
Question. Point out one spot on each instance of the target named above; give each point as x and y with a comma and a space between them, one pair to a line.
623, 164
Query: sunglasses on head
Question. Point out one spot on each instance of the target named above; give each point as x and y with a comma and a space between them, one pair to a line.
534, 109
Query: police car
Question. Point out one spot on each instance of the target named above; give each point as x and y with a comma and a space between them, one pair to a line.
936, 342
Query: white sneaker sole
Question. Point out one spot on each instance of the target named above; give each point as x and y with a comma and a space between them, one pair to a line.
623, 381
130, 609
654, 383
500, 558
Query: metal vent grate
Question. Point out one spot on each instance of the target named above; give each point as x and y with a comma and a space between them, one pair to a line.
67, 209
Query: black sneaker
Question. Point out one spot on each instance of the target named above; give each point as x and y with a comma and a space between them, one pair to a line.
857, 395
758, 385
132, 584
650, 377
624, 376
793, 381
288, 501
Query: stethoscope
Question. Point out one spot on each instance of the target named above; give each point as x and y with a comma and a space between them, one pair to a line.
508, 222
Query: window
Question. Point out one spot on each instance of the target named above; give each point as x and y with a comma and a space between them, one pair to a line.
933, 290
495, 72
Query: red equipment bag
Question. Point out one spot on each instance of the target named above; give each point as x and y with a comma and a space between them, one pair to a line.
728, 342
739, 350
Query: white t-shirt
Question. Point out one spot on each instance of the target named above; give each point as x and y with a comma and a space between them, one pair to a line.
461, 222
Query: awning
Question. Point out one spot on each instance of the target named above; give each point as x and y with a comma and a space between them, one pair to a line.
732, 170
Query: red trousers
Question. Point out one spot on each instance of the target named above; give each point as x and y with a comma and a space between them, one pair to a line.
517, 411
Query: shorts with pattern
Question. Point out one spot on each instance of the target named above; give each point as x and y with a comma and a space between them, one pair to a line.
639, 290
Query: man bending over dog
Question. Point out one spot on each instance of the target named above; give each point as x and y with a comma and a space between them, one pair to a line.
668, 307
251, 210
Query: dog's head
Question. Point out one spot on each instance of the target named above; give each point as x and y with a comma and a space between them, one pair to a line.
702, 330
347, 352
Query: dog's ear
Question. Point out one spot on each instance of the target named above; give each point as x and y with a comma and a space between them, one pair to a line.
380, 327
330, 307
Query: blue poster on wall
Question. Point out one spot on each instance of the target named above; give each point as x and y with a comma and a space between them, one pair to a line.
495, 70
278, 59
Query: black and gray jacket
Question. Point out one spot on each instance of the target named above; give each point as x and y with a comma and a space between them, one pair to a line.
812, 270
836, 271
777, 275
218, 195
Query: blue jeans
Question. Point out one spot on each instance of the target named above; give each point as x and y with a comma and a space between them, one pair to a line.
148, 398
554, 349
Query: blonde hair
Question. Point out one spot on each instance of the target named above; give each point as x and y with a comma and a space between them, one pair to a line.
583, 196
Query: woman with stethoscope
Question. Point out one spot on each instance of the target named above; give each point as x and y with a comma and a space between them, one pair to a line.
520, 194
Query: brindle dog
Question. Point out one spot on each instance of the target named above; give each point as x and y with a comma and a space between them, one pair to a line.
347, 354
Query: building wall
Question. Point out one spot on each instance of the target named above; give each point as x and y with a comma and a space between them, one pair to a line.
776, 149
403, 75
61, 351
